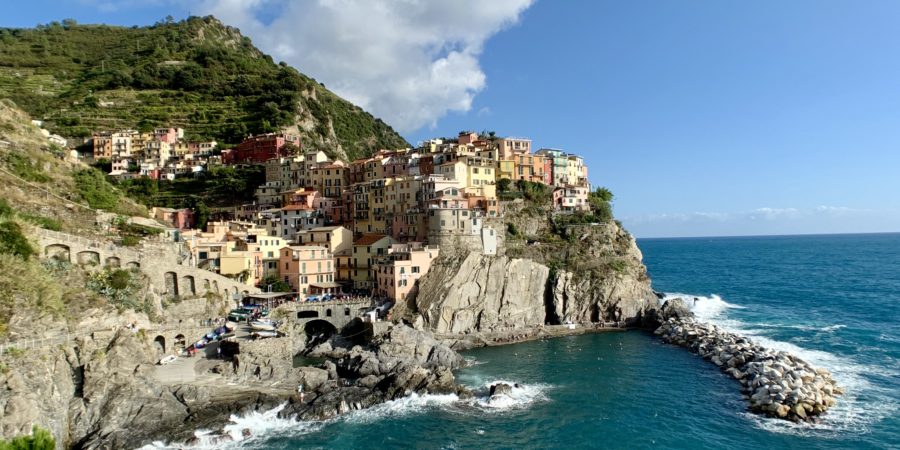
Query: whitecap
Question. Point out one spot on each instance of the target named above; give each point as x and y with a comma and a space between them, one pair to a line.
520, 396
863, 403
257, 424
704, 308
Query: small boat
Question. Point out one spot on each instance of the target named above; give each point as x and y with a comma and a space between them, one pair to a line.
264, 334
167, 359
211, 336
201, 343
231, 326
262, 326
221, 330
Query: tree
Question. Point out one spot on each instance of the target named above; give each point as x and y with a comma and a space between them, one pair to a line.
603, 194
503, 184
278, 285
201, 215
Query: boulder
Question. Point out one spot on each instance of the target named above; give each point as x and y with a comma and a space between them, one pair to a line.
501, 389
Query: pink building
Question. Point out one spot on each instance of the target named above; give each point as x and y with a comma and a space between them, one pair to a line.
308, 269
168, 135
571, 198
397, 274
307, 198
183, 219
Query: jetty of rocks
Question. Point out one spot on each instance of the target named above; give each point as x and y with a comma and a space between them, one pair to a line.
776, 383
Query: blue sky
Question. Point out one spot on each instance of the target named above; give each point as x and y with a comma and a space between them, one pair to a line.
703, 117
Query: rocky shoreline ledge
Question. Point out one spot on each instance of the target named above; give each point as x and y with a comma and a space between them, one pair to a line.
775, 383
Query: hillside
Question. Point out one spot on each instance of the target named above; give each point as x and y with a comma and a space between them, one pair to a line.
197, 74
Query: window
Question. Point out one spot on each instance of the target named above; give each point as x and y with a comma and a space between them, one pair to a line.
286, 266
303, 268
415, 269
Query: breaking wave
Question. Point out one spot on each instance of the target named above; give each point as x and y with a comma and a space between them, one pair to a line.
242, 431
863, 403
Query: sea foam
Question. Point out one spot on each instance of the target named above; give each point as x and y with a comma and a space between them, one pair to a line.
863, 403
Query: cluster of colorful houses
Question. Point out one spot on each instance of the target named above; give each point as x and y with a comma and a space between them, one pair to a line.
374, 224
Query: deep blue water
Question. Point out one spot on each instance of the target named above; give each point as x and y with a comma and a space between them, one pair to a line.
834, 300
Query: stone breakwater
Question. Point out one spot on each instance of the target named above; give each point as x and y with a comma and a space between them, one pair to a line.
776, 383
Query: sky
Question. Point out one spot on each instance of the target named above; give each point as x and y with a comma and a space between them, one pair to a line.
705, 118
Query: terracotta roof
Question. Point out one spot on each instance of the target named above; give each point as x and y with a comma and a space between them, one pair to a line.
369, 239
296, 208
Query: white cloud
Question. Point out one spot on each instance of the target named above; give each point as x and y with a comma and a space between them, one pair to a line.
407, 61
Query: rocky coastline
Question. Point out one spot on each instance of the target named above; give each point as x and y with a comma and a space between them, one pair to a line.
775, 383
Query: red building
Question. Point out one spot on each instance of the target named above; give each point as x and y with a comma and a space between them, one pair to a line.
260, 148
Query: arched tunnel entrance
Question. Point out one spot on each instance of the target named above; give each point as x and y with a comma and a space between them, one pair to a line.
160, 344
319, 329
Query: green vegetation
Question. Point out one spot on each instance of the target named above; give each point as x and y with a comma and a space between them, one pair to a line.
277, 284
48, 223
40, 439
93, 186
25, 168
512, 230
120, 287
95, 190
601, 204
13, 241
221, 186
197, 74
27, 285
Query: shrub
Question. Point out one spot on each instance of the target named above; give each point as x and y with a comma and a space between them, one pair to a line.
46, 223
119, 279
512, 230
95, 190
5, 209
130, 240
40, 439
13, 242
25, 168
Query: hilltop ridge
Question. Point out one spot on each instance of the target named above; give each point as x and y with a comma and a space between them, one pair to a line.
199, 74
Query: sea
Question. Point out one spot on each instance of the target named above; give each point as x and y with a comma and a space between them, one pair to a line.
833, 300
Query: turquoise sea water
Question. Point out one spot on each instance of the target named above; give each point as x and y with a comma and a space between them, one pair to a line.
834, 300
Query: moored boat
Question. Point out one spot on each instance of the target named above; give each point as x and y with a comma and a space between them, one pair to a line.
262, 326
264, 334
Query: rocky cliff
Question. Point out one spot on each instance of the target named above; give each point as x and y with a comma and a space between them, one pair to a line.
546, 275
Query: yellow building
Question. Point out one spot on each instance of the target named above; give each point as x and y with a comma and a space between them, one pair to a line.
336, 239
366, 250
506, 168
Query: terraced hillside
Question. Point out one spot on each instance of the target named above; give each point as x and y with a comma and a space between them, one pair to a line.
197, 74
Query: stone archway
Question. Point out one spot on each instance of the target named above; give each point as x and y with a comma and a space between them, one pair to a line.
187, 285
328, 312
171, 279
160, 343
179, 343
307, 314
113, 262
347, 311
319, 326
59, 252
89, 258
133, 265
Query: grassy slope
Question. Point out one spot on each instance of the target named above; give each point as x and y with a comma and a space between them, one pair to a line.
197, 74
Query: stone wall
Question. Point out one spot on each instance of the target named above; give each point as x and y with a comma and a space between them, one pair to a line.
161, 263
